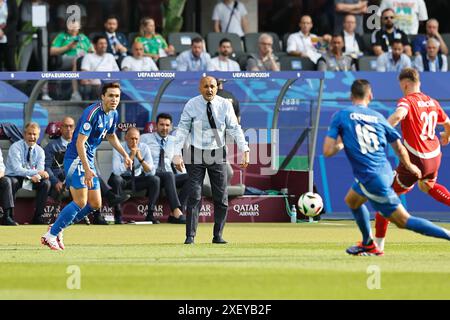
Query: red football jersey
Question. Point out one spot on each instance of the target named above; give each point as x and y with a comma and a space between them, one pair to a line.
419, 125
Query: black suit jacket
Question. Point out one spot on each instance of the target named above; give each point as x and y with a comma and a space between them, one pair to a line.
120, 37
360, 42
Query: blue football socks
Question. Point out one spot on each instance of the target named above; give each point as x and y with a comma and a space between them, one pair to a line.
427, 228
83, 213
362, 217
65, 218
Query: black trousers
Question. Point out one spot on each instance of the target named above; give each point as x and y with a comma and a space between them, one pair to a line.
181, 182
218, 175
150, 183
167, 181
6, 195
42, 188
7, 56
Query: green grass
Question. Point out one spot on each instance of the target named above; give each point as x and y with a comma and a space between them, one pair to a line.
261, 261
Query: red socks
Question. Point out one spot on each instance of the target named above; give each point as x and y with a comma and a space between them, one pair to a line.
440, 193
381, 225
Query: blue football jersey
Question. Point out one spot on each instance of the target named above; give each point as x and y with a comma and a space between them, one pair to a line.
365, 134
95, 124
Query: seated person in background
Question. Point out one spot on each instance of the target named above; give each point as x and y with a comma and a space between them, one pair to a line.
138, 62
54, 158
25, 168
264, 60
140, 177
155, 46
195, 59
395, 60
382, 40
230, 16
70, 45
117, 41
223, 62
432, 31
353, 42
6, 196
334, 59
432, 60
305, 44
162, 145
98, 61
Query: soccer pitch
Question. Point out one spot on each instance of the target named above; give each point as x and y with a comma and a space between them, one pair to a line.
261, 261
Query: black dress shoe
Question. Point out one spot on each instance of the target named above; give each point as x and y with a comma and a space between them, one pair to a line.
98, 219
180, 220
219, 240
189, 240
115, 199
152, 219
8, 221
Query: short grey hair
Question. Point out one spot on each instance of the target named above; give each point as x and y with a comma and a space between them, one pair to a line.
265, 36
435, 41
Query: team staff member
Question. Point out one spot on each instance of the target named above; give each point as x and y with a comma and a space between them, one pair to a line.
205, 119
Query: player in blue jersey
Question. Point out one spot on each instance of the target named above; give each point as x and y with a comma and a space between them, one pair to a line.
97, 122
363, 134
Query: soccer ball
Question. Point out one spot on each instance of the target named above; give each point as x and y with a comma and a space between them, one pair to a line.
310, 204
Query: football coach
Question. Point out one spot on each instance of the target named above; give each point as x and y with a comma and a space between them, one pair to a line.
205, 119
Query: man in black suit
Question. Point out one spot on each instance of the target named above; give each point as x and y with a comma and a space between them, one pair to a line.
117, 41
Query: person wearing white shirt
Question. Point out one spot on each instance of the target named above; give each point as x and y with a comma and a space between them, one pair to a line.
304, 43
230, 16
408, 13
162, 147
206, 118
25, 167
195, 59
394, 61
138, 62
98, 61
353, 42
139, 177
223, 62
432, 61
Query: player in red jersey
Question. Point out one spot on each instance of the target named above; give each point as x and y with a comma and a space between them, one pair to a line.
418, 114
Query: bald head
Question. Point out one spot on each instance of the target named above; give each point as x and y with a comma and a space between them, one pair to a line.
132, 137
208, 87
67, 128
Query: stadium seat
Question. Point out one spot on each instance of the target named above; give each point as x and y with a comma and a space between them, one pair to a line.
149, 127
167, 63
181, 41
213, 39
131, 37
285, 38
296, 63
251, 41
368, 63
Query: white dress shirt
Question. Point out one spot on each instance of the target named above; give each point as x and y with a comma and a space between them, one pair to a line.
119, 163
153, 141
194, 122
17, 164
218, 64
300, 42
